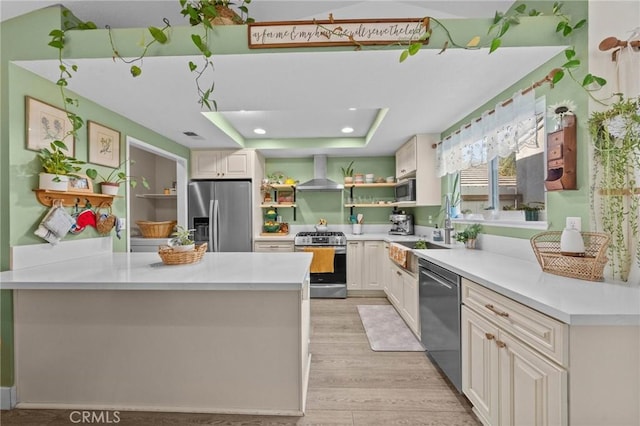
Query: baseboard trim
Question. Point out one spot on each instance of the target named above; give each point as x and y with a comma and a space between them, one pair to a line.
366, 293
7, 397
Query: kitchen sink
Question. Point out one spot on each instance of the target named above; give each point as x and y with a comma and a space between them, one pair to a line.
411, 245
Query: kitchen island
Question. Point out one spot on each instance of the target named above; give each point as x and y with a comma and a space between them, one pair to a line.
229, 334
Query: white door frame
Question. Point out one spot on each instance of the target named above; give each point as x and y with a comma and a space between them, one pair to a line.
182, 181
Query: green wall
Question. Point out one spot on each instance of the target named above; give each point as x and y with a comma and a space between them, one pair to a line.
314, 205
560, 204
26, 38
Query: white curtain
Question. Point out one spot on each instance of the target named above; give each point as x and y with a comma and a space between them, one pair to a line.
497, 133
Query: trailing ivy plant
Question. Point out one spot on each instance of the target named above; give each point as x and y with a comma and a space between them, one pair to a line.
58, 41
501, 24
203, 12
616, 137
199, 12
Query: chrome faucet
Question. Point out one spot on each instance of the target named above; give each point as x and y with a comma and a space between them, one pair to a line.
447, 220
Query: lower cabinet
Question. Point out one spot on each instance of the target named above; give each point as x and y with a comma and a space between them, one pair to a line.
273, 246
506, 379
364, 265
402, 292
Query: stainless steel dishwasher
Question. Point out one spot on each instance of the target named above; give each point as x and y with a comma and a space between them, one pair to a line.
440, 319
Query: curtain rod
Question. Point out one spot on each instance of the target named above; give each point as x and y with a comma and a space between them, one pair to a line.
548, 79
612, 42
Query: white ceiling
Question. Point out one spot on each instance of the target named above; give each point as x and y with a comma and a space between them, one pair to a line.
298, 95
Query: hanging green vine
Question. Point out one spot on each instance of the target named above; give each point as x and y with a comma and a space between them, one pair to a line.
616, 137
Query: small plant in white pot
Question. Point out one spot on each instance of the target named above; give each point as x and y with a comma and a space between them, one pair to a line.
110, 184
57, 166
181, 240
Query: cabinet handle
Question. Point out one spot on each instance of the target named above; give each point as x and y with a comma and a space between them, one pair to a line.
490, 307
398, 272
501, 344
489, 336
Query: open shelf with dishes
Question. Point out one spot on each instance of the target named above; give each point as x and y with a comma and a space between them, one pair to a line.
368, 201
282, 196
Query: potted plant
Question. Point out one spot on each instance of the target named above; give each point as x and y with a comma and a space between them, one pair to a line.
469, 235
57, 166
531, 210
182, 240
110, 184
347, 173
615, 134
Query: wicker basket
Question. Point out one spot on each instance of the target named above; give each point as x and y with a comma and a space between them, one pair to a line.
546, 247
156, 229
171, 257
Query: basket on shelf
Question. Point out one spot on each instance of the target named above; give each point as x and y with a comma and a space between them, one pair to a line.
156, 229
546, 247
171, 257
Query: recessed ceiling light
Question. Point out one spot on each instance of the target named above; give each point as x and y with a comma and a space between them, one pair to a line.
352, 109
259, 131
347, 130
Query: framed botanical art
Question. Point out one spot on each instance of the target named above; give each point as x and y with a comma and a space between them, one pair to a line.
46, 123
104, 145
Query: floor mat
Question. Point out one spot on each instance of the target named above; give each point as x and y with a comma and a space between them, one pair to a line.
386, 330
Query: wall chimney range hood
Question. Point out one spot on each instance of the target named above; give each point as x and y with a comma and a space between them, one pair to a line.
320, 181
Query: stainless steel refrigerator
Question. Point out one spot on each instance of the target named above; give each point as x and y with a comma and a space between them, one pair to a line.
220, 214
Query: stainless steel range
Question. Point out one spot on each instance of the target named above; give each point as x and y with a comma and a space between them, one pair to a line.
329, 267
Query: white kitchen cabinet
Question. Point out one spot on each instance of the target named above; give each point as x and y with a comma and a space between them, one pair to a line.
373, 271
386, 269
364, 265
355, 255
406, 159
403, 295
480, 372
507, 378
223, 164
273, 246
417, 159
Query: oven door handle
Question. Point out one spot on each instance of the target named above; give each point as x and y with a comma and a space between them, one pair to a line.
338, 250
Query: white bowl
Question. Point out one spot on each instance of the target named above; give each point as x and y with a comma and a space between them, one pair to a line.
321, 228
391, 179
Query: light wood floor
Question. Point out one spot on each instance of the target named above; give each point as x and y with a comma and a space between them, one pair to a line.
349, 385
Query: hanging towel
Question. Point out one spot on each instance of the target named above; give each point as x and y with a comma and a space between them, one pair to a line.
322, 259
398, 254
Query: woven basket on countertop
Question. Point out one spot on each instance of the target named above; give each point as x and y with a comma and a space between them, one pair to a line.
546, 247
156, 229
171, 257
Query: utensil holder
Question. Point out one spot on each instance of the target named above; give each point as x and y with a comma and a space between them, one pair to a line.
357, 229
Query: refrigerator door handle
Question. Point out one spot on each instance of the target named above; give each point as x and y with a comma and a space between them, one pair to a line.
211, 224
216, 225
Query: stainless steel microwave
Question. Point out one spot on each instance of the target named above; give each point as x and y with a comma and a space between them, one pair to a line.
406, 190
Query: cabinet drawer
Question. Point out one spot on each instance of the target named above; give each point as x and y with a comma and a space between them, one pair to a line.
555, 152
539, 331
282, 246
556, 164
556, 138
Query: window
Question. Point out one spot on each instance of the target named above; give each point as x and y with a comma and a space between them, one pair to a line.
506, 184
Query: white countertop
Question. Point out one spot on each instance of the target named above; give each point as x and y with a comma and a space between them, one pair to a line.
572, 301
145, 271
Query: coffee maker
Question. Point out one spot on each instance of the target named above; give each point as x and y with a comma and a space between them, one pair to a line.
401, 223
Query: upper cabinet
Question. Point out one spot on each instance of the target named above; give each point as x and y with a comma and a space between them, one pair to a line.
224, 164
407, 159
417, 159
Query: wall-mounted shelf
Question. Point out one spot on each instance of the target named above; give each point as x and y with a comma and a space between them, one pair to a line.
71, 198
274, 205
157, 196
371, 205
370, 185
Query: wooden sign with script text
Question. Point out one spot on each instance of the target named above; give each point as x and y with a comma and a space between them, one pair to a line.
336, 32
